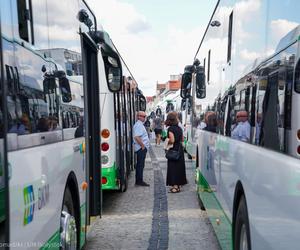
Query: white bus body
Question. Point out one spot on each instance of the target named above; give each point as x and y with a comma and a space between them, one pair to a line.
51, 186
251, 190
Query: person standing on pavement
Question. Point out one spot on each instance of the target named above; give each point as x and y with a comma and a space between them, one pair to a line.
147, 125
157, 126
141, 146
176, 175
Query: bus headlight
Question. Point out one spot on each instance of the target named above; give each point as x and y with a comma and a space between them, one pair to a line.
104, 159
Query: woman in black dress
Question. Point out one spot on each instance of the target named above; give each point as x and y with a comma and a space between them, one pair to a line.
176, 175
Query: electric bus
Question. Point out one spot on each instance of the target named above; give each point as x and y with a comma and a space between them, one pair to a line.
50, 174
249, 62
118, 115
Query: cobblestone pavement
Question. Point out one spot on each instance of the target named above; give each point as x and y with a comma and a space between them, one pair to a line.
150, 217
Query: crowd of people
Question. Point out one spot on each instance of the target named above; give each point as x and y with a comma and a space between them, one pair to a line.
171, 131
142, 132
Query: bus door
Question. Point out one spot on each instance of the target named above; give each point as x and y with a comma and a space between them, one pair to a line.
121, 141
4, 204
126, 122
92, 123
131, 119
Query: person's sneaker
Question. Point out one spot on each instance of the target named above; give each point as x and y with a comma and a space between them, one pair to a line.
144, 184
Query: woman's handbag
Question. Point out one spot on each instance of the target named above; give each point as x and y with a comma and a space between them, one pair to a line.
172, 155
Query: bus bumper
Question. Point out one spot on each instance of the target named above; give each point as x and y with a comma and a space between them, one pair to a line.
109, 178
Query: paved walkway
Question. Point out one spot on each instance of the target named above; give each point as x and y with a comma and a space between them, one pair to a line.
150, 217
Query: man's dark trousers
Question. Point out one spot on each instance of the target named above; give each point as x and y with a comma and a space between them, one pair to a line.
140, 164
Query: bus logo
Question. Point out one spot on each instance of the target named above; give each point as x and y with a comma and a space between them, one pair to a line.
29, 204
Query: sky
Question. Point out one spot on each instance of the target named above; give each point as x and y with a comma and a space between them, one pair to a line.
156, 38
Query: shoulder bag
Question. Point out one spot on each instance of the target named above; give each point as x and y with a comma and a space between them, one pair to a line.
172, 154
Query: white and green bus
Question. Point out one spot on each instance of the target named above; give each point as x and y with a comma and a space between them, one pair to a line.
118, 115
50, 178
249, 184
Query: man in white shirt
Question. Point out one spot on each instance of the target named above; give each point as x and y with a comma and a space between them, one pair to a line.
242, 130
141, 145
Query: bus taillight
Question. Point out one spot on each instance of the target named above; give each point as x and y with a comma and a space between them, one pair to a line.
298, 134
104, 146
103, 180
298, 150
105, 133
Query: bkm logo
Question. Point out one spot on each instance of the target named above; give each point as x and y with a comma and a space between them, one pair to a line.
29, 202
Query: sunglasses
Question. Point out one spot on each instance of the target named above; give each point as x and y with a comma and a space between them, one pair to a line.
142, 115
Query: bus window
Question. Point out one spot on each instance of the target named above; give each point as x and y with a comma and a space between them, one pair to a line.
3, 172
208, 68
25, 20
252, 102
269, 137
297, 77
243, 100
229, 37
288, 98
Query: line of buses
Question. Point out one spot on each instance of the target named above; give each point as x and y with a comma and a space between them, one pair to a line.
249, 60
67, 107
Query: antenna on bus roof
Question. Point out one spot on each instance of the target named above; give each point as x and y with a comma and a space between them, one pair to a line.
209, 23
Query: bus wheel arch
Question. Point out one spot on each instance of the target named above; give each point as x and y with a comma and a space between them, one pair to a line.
70, 214
240, 220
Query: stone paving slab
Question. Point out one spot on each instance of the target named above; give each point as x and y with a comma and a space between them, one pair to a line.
136, 219
189, 227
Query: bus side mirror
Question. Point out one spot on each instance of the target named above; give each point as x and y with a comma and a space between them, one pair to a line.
200, 83
186, 84
65, 89
142, 103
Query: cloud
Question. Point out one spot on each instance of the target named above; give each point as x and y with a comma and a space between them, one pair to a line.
249, 55
150, 57
280, 28
245, 13
138, 26
60, 28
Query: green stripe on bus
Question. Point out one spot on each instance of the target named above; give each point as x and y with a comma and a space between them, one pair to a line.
53, 242
215, 212
111, 176
83, 224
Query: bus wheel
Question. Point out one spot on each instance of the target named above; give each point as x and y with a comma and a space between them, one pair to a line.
242, 230
68, 231
124, 186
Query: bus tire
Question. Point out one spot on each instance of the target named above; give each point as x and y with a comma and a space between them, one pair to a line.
241, 227
69, 223
124, 185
